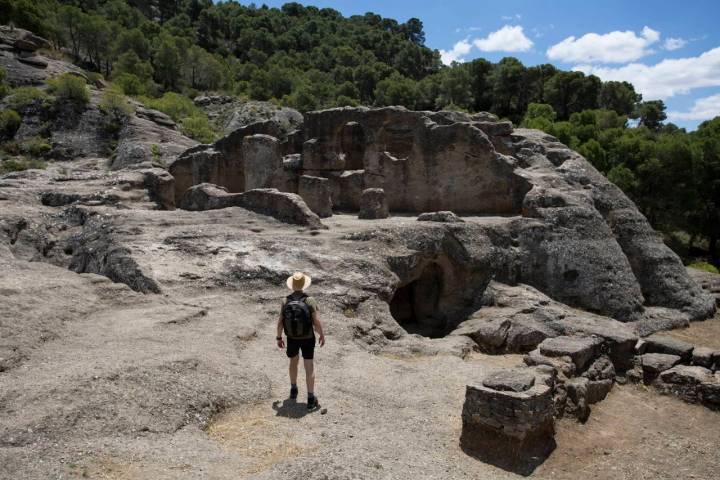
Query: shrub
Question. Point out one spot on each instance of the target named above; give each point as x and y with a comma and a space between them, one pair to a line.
198, 128
35, 147
9, 123
69, 88
4, 89
19, 164
173, 104
708, 267
115, 109
130, 84
23, 97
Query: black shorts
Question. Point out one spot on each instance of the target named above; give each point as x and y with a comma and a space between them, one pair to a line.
307, 345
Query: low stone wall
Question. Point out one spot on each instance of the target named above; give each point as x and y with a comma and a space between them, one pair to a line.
508, 420
679, 368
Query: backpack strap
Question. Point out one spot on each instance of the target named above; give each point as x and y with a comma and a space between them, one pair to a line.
295, 297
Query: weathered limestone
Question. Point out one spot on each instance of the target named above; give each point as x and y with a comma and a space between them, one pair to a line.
286, 207
656, 363
406, 154
373, 204
206, 165
443, 216
517, 318
668, 345
508, 420
261, 154
580, 350
316, 193
691, 383
703, 356
161, 187
571, 234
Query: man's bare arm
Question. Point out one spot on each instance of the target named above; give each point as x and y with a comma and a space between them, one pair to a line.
280, 342
318, 328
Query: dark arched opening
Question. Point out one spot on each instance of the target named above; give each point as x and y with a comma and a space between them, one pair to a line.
416, 306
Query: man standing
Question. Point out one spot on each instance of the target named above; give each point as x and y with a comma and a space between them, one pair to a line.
299, 320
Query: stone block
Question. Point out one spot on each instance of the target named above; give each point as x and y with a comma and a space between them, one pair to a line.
656, 363
373, 204
511, 429
316, 193
263, 160
580, 349
669, 345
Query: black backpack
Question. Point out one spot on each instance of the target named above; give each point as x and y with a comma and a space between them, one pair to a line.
297, 319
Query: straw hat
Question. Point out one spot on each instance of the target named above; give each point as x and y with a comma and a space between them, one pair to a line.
298, 281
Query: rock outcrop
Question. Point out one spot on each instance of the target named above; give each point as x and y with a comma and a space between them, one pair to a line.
569, 232
286, 207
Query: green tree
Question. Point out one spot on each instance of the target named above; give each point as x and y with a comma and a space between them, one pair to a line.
619, 96
570, 92
455, 86
651, 114
396, 90
167, 63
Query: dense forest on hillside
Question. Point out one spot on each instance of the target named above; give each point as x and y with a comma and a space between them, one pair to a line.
165, 52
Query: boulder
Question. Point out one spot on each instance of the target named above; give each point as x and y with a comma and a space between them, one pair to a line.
656, 363
489, 334
669, 345
691, 383
286, 207
580, 350
316, 193
703, 356
21, 39
206, 196
443, 216
373, 204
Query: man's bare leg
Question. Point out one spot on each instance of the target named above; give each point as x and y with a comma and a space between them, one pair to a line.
294, 369
309, 376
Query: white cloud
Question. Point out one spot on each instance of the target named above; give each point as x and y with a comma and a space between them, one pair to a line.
507, 39
613, 47
459, 50
703, 109
509, 18
669, 77
674, 43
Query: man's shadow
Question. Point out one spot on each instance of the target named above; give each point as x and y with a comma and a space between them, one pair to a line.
290, 408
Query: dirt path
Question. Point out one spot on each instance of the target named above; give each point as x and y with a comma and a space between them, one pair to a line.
705, 333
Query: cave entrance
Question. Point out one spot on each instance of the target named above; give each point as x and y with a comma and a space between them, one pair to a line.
416, 306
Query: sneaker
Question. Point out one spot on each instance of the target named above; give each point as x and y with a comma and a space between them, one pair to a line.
293, 393
313, 403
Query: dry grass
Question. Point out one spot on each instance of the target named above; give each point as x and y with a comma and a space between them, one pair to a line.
255, 432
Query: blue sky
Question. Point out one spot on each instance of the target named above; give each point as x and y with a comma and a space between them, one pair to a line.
668, 50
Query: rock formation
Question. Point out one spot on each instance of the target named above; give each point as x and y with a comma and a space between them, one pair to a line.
566, 230
175, 257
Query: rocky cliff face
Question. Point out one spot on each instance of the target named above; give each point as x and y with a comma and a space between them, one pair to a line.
567, 230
